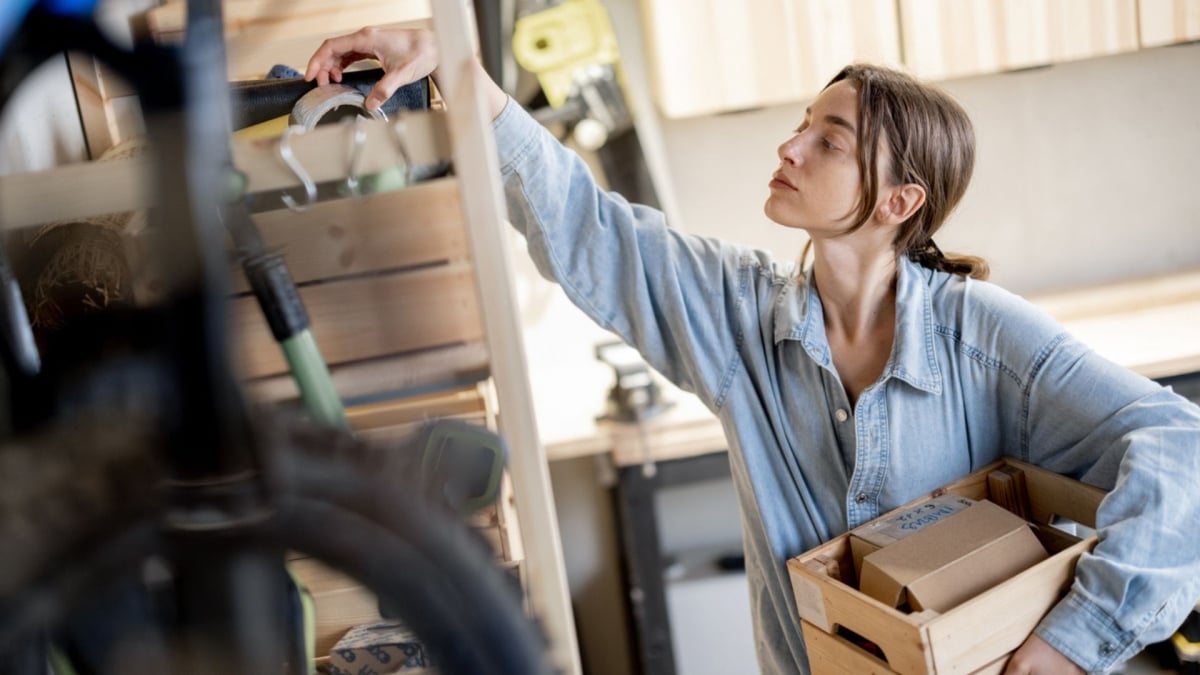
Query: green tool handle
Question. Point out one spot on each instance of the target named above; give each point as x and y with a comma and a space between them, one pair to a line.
313, 379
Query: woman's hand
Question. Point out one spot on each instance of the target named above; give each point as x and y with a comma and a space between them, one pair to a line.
1037, 657
406, 55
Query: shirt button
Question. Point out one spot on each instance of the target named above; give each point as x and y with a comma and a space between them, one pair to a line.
1107, 649
841, 415
861, 498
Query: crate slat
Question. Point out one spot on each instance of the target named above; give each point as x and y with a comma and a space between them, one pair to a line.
369, 317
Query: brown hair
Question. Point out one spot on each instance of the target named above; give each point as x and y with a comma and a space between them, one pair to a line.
930, 142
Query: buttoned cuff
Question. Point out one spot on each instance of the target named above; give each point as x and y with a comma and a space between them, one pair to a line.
1085, 633
515, 132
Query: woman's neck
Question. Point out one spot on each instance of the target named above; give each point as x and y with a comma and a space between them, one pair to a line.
857, 289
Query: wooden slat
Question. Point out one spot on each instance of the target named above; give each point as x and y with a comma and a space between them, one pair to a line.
464, 401
294, 17
93, 103
324, 152
1164, 22
369, 317
340, 602
384, 231
457, 363
477, 165
89, 189
249, 56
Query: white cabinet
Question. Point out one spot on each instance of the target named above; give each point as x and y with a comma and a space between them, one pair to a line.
711, 56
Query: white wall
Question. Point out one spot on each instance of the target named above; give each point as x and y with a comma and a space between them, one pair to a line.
1085, 173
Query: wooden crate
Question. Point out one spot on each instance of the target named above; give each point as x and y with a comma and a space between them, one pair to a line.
975, 637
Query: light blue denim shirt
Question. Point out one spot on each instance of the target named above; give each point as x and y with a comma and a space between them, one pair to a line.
975, 373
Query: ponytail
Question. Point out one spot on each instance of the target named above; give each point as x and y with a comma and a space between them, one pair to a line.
932, 257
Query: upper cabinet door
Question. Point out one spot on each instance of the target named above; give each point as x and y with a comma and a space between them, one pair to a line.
954, 38
708, 56
1166, 22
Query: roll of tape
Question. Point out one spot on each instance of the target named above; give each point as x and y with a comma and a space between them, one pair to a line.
321, 100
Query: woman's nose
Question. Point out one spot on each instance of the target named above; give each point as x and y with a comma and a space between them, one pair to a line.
789, 150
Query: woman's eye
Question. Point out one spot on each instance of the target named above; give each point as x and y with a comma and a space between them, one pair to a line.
827, 144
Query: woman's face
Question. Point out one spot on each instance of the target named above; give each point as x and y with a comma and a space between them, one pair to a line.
817, 185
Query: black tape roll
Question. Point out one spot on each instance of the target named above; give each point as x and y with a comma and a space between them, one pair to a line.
255, 101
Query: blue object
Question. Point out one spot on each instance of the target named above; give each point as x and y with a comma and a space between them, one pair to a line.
12, 13
69, 7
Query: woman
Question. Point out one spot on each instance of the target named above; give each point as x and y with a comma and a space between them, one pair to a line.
881, 372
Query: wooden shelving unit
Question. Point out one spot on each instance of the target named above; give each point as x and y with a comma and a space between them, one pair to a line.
409, 291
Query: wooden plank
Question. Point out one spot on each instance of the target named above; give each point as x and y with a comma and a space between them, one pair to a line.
465, 401
250, 55
89, 189
1080, 29
406, 228
295, 17
1164, 22
75, 191
478, 167
339, 601
901, 636
456, 363
324, 152
93, 104
1009, 610
830, 654
363, 318
1052, 495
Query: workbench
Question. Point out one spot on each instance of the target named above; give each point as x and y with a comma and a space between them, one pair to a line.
1151, 326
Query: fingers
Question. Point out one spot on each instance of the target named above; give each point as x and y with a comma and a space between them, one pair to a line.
387, 85
331, 56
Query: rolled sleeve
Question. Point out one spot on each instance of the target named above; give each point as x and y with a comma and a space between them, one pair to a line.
1086, 634
516, 135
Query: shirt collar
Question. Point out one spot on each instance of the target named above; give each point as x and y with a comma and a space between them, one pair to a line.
798, 316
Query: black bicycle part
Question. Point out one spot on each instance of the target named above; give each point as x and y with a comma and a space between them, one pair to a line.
354, 506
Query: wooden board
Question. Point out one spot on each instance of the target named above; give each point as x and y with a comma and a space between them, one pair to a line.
1164, 22
369, 317
294, 17
969, 637
407, 228
90, 189
453, 364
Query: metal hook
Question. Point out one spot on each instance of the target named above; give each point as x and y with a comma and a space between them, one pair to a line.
398, 139
289, 158
358, 137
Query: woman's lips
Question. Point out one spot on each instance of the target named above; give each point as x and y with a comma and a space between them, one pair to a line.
778, 180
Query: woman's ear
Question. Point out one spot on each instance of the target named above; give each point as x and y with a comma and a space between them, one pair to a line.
900, 203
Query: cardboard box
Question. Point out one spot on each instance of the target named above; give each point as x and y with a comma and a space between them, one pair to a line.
951, 560
898, 524
978, 635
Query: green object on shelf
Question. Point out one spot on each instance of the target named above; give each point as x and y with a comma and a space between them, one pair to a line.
314, 381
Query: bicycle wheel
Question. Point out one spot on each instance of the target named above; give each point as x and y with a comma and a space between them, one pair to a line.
87, 512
